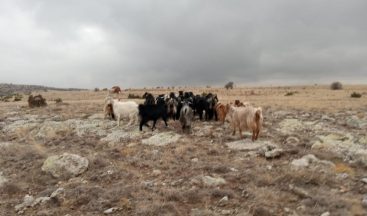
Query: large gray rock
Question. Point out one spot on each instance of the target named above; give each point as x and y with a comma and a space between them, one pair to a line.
344, 146
65, 165
119, 136
162, 139
290, 126
356, 122
90, 126
311, 162
248, 145
27, 202
51, 129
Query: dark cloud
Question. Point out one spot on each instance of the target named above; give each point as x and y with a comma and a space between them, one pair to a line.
89, 43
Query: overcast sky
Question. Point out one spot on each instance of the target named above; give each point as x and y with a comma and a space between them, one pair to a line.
137, 43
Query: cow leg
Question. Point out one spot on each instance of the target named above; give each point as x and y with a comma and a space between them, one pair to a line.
241, 136
141, 124
253, 136
118, 120
165, 122
154, 122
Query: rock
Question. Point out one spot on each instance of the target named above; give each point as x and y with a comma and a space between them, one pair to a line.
364, 180
223, 200
65, 165
213, 181
364, 201
311, 162
195, 160
119, 136
325, 214
202, 212
40, 200
327, 118
293, 141
356, 122
57, 193
27, 202
111, 210
162, 139
156, 172
226, 212
203, 130
247, 145
5, 145
90, 126
290, 126
51, 129
343, 146
270, 151
275, 153
299, 191
3, 180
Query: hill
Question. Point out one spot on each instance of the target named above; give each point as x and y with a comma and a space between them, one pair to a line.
9, 89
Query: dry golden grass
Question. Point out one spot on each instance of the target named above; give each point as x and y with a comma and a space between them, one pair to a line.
318, 98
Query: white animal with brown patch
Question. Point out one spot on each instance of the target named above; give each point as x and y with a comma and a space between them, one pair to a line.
124, 110
245, 118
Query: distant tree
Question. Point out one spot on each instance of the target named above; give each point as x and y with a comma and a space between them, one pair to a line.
96, 89
336, 86
229, 85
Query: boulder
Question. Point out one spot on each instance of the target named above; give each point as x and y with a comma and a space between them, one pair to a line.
162, 139
344, 146
311, 162
65, 165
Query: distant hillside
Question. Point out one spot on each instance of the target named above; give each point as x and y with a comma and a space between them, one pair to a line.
8, 89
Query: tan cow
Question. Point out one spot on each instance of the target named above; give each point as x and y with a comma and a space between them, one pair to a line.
245, 118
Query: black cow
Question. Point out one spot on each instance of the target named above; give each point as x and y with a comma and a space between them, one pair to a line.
149, 98
152, 112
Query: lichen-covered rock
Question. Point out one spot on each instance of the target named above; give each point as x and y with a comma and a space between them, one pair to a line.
343, 146
311, 162
65, 165
119, 136
247, 145
213, 181
162, 139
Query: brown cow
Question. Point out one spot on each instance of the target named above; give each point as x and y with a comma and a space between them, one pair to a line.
116, 90
221, 111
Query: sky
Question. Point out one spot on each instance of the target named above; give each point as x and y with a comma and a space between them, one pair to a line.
147, 43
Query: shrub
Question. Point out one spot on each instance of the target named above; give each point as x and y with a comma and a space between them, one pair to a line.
356, 95
336, 86
105, 89
18, 97
229, 85
58, 100
96, 89
290, 93
133, 96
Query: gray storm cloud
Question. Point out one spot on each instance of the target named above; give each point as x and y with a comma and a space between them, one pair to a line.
90, 44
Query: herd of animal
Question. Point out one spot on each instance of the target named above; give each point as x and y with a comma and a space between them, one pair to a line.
183, 107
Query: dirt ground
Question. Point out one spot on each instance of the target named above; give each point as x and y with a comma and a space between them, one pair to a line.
205, 172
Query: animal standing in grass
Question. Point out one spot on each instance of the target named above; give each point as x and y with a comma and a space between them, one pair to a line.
246, 118
123, 110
